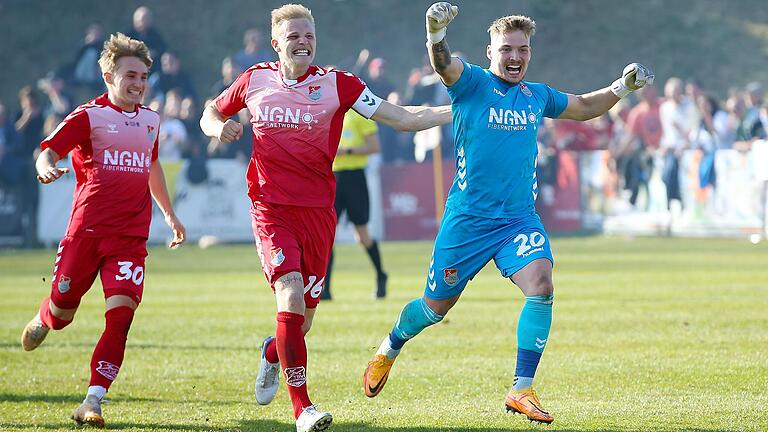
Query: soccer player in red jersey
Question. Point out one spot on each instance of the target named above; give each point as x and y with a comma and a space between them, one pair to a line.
113, 142
297, 115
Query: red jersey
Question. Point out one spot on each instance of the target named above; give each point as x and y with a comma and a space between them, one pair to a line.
296, 129
112, 152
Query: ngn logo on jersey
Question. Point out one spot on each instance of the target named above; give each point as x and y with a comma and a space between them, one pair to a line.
126, 161
509, 120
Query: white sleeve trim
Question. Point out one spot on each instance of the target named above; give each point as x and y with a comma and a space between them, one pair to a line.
367, 103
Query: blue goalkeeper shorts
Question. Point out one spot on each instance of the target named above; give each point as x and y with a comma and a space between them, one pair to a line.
466, 243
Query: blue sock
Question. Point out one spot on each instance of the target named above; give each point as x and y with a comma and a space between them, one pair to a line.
532, 334
415, 317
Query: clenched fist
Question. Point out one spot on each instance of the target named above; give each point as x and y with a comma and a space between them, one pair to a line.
634, 77
230, 131
439, 15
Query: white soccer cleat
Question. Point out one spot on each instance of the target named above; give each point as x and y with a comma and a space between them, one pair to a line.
269, 377
312, 420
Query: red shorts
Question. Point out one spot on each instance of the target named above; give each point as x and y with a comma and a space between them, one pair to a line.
119, 261
292, 238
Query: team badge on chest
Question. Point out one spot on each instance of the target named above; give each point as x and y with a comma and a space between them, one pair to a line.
314, 93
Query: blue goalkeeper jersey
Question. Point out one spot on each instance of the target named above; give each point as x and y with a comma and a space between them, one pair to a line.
495, 126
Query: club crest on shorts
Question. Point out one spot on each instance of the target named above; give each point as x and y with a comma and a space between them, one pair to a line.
314, 92
451, 276
63, 285
277, 256
295, 377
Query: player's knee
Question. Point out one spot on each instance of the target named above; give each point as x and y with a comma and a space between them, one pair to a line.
57, 313
440, 307
119, 320
306, 326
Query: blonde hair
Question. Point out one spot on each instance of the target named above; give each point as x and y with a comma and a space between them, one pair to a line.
119, 45
513, 23
289, 12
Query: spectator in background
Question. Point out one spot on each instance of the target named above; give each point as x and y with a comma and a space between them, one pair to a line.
641, 140
10, 168
359, 139
170, 76
705, 138
173, 133
252, 51
85, 69
229, 71
750, 127
373, 75
144, 30
728, 125
57, 100
29, 125
675, 114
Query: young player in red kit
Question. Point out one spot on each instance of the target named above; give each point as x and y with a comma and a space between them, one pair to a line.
113, 142
297, 115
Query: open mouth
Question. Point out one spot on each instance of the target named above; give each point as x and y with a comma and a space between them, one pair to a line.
514, 69
134, 92
301, 52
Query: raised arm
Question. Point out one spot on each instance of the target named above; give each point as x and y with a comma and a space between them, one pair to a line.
412, 118
439, 15
590, 105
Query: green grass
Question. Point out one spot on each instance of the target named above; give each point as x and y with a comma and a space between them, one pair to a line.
648, 335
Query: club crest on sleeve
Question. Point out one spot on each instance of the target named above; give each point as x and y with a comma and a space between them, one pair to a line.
63, 285
277, 256
450, 276
314, 93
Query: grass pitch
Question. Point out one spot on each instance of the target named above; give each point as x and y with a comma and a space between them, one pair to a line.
648, 335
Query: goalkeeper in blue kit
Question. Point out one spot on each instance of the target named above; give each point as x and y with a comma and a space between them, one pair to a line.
490, 213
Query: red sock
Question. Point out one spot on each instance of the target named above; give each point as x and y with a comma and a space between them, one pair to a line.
108, 354
48, 318
292, 351
271, 352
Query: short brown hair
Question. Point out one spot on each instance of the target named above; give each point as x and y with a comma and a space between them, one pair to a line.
119, 45
513, 23
288, 12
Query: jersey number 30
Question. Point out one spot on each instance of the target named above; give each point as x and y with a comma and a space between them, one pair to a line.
135, 274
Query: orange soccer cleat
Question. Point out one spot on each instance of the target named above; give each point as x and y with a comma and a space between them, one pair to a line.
376, 374
527, 402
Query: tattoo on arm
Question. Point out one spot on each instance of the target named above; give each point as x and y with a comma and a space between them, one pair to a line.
440, 55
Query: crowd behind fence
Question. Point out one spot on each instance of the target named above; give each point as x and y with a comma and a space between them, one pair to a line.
672, 156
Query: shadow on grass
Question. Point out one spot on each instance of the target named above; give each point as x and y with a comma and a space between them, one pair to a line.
274, 426
16, 346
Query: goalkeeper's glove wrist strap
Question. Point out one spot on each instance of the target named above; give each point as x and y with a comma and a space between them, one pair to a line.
620, 89
434, 38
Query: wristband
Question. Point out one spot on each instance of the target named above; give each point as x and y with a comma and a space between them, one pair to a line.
620, 89
436, 37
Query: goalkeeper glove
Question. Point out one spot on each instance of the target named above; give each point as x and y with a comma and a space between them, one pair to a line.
635, 76
439, 15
